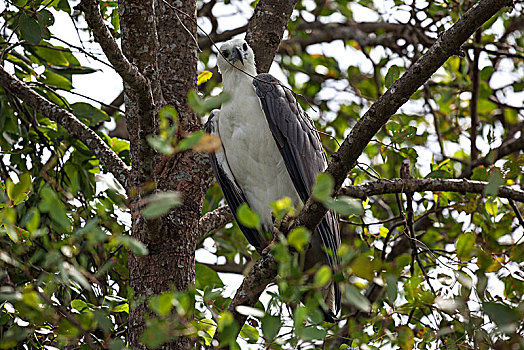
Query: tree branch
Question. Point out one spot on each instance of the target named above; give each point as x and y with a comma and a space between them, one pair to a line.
129, 72
343, 161
360, 32
379, 113
76, 128
213, 220
509, 147
229, 267
266, 28
384, 186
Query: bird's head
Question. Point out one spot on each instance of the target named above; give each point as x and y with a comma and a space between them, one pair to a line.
238, 53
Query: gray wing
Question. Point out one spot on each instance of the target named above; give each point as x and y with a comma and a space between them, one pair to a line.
300, 146
232, 191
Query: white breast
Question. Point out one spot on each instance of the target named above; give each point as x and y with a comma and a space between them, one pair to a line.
251, 151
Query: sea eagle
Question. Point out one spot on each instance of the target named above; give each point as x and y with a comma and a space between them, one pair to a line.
269, 149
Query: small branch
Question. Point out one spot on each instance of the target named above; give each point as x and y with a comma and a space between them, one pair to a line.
213, 220
508, 147
359, 32
262, 273
206, 42
518, 215
384, 186
76, 128
475, 88
129, 72
226, 268
62, 310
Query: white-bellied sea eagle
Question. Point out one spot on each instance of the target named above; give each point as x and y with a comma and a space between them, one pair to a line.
269, 149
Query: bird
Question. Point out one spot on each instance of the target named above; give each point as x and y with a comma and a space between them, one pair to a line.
269, 149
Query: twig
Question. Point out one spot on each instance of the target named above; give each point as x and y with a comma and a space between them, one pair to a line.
475, 88
69, 317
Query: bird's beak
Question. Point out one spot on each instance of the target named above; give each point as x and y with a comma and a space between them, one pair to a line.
237, 55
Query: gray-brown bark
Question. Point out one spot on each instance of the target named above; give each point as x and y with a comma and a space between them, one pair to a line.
266, 28
170, 63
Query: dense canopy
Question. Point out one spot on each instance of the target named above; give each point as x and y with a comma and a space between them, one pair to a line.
104, 204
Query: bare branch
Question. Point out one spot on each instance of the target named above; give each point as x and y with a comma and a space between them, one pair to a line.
205, 42
213, 220
262, 273
129, 72
75, 127
508, 147
360, 32
384, 186
227, 267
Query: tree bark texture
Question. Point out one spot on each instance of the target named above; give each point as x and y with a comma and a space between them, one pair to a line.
154, 40
266, 28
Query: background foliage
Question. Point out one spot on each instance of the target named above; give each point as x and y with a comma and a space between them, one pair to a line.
65, 234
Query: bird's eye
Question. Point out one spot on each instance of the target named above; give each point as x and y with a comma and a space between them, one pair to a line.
225, 53
245, 46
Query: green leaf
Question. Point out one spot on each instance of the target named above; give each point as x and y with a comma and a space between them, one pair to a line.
391, 287
30, 29
206, 277
439, 174
249, 333
160, 144
491, 207
227, 328
501, 314
464, 245
323, 188
121, 308
190, 141
323, 276
157, 333
86, 111
17, 193
362, 267
270, 327
203, 77
79, 305
311, 333
204, 106
494, 182
61, 5
162, 304
344, 206
161, 203
45, 18
392, 75
356, 298
247, 217
406, 339
49, 203
56, 80
137, 247
299, 238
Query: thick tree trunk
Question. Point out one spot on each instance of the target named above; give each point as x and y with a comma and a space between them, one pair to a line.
164, 51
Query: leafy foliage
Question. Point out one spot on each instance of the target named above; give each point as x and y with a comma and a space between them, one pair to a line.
65, 231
